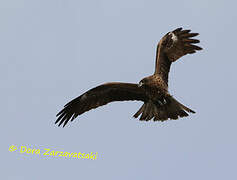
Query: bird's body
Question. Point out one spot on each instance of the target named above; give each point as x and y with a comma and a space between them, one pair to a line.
152, 90
155, 88
161, 105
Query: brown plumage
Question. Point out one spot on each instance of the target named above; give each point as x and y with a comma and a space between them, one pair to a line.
158, 105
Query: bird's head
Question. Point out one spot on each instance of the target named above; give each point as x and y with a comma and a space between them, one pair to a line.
143, 82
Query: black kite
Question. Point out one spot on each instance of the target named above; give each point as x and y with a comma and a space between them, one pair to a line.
152, 90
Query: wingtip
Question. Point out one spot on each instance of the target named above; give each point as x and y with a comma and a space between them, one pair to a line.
56, 121
65, 124
178, 29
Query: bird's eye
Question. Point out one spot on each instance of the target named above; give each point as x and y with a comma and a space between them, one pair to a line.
141, 83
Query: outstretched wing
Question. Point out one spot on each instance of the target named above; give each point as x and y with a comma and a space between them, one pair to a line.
173, 46
100, 96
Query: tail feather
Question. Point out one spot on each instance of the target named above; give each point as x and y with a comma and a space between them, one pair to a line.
156, 112
151, 113
145, 112
171, 110
162, 113
139, 111
184, 107
182, 113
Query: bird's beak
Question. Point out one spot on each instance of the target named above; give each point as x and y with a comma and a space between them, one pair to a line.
140, 84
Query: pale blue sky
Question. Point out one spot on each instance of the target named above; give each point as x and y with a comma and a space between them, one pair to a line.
54, 50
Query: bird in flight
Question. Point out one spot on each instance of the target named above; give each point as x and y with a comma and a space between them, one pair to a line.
158, 105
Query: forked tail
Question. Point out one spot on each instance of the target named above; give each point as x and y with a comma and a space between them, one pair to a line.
168, 108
